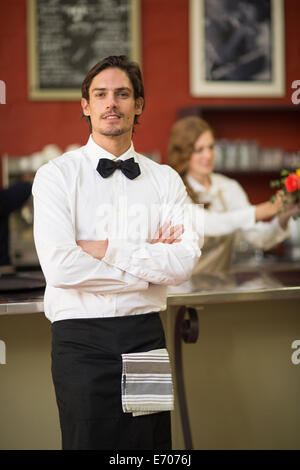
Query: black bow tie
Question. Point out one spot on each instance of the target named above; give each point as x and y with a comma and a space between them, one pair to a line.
129, 167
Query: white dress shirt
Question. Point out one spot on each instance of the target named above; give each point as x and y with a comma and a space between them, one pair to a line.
73, 202
240, 213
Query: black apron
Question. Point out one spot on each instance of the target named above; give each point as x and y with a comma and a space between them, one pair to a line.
86, 371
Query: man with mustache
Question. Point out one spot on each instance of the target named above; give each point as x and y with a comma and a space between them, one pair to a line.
106, 283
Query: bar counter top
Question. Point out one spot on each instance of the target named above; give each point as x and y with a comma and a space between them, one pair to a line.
245, 282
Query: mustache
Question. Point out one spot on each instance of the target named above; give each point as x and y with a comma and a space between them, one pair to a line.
113, 111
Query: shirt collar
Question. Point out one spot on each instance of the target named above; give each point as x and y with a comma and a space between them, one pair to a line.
95, 152
198, 188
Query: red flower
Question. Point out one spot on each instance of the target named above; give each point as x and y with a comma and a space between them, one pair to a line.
292, 183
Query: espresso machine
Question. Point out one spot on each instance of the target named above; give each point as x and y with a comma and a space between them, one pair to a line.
21, 243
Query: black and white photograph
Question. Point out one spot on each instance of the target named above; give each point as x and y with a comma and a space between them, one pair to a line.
238, 40
236, 47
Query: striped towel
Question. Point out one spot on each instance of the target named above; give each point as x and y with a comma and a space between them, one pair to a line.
147, 382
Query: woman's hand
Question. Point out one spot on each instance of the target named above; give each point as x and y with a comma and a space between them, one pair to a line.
286, 207
283, 206
291, 211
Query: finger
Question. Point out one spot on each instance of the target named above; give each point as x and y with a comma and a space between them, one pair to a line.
169, 232
175, 232
160, 231
166, 232
164, 228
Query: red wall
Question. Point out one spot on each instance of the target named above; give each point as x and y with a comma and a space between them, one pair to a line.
27, 126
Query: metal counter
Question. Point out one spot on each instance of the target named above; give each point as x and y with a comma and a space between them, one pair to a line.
22, 292
235, 384
270, 282
236, 287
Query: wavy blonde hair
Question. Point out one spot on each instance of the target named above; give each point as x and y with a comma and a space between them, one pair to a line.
183, 136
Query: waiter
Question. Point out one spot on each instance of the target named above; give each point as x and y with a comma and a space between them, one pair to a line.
11, 199
106, 280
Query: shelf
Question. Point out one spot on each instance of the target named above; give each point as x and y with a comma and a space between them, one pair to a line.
252, 172
199, 109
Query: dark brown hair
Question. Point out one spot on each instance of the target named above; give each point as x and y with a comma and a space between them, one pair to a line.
132, 70
183, 136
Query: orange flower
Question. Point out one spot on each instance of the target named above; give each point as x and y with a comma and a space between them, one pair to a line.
292, 182
298, 172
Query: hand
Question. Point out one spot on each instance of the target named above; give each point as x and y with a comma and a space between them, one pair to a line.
267, 210
97, 249
168, 234
283, 201
291, 211
286, 207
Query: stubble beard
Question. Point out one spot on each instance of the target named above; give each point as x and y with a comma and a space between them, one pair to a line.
115, 132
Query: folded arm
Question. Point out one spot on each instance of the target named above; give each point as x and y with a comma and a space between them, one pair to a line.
64, 263
162, 263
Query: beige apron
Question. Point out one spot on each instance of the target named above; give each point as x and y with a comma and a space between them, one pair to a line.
216, 251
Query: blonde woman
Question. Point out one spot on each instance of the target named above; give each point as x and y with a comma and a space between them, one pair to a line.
191, 151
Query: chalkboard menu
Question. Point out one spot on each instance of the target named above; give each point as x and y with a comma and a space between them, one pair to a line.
67, 37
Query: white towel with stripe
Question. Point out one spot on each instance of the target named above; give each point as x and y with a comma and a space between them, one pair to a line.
147, 382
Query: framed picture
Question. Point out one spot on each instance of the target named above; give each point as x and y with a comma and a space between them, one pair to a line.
237, 48
66, 38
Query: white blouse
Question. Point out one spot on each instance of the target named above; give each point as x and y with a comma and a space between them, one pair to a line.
240, 215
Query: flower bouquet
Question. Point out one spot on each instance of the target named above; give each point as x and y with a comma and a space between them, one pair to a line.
289, 185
